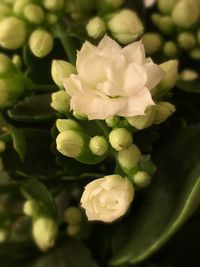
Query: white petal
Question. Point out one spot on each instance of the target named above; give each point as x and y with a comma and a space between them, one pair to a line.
154, 74
108, 47
134, 52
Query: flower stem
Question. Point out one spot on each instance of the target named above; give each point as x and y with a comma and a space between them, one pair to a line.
103, 127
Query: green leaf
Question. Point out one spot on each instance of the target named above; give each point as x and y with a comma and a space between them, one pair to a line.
164, 206
189, 86
19, 142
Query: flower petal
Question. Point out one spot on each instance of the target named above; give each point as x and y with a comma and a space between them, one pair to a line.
134, 53
154, 73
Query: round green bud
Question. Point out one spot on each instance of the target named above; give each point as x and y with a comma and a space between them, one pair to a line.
120, 138
19, 5
143, 121
73, 215
70, 143
6, 65
186, 13
98, 145
52, 19
152, 42
189, 75
4, 234
156, 17
170, 49
53, 5
113, 122
130, 157
61, 69
30, 207
80, 116
67, 124
34, 13
166, 7
195, 54
41, 43
73, 230
96, 27
2, 146
16, 60
125, 26
44, 232
186, 40
163, 111
142, 179
4, 11
70, 6
166, 25
60, 101
12, 33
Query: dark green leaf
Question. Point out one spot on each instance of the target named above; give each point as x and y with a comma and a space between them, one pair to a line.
19, 142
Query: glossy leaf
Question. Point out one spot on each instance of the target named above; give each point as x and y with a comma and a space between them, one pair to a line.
19, 142
161, 210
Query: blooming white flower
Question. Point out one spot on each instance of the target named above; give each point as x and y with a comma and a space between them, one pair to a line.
112, 80
108, 198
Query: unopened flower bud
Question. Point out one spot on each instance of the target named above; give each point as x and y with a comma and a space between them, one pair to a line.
60, 101
4, 234
166, 7
98, 145
142, 179
152, 42
16, 60
52, 19
120, 138
96, 27
41, 43
2, 146
156, 17
170, 49
6, 65
130, 157
163, 111
143, 121
73, 215
4, 11
125, 26
73, 229
186, 40
30, 207
186, 13
34, 13
61, 69
109, 5
70, 143
189, 75
67, 124
80, 116
113, 122
166, 25
53, 5
44, 232
12, 33
195, 54
19, 6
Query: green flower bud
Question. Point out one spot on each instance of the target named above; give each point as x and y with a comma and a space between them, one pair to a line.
186, 40
53, 5
113, 122
195, 54
6, 65
125, 26
96, 27
130, 157
61, 69
166, 25
12, 33
52, 19
120, 138
4, 234
163, 111
34, 13
4, 11
41, 43
70, 143
30, 207
106, 6
166, 7
2, 146
79, 116
143, 121
142, 179
67, 124
60, 101
19, 6
11, 88
16, 60
98, 145
156, 17
186, 13
45, 231
70, 6
152, 42
73, 229
189, 75
73, 215
170, 49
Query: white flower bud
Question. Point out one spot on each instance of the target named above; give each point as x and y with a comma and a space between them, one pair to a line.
4, 11
189, 75
44, 232
143, 121
52, 19
142, 179
53, 5
107, 199
34, 13
120, 138
19, 6
130, 157
170, 49
2, 146
166, 7
125, 26
186, 13
163, 111
152, 42
6, 65
4, 234
67, 124
166, 25
73, 229
30, 207
16, 60
61, 69
98, 145
156, 17
12, 33
41, 43
186, 40
70, 143
60, 101
96, 27
73, 215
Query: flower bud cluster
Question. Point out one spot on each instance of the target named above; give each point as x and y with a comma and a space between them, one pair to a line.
73, 217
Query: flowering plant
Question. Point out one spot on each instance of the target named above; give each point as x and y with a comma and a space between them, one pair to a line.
99, 130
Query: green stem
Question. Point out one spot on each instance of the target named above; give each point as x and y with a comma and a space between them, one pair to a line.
102, 125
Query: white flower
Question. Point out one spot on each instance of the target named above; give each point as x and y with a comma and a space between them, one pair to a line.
106, 199
112, 80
